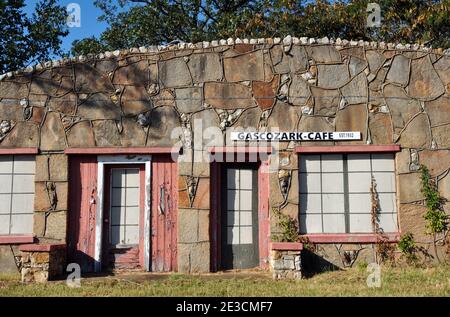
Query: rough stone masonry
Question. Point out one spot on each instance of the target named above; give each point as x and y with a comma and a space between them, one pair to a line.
392, 94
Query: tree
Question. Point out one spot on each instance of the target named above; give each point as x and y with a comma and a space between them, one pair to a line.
134, 23
26, 40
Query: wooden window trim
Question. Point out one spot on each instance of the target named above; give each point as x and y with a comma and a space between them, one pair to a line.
365, 238
124, 150
19, 151
347, 149
16, 239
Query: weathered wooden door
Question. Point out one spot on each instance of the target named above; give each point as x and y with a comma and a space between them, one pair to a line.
82, 211
239, 223
123, 218
164, 214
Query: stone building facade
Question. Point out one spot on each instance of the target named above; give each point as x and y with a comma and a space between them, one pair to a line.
127, 160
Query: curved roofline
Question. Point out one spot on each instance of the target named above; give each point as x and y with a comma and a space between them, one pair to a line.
287, 41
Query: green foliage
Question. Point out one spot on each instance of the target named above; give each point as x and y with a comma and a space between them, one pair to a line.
288, 226
26, 40
408, 246
435, 215
134, 23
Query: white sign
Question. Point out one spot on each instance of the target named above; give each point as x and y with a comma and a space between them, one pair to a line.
295, 136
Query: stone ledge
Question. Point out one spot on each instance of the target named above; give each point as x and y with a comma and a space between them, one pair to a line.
286, 246
41, 247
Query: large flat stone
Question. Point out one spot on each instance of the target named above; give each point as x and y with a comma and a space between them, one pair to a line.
13, 90
399, 71
81, 135
437, 161
98, 107
265, 92
441, 135
201, 199
424, 82
106, 133
244, 67
132, 133
355, 91
444, 187
442, 67
403, 161
205, 128
133, 74
11, 110
410, 188
90, 80
227, 95
411, 220
41, 197
163, 120
188, 219
353, 118
324, 54
189, 99
65, 104
326, 101
194, 257
174, 73
205, 67
294, 61
438, 110
135, 100
298, 90
380, 127
356, 65
402, 107
24, 134
332, 76
52, 133
283, 116
375, 60
417, 133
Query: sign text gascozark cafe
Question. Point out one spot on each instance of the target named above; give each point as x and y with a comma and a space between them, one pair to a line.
295, 136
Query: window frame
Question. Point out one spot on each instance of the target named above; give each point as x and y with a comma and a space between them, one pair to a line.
352, 149
18, 238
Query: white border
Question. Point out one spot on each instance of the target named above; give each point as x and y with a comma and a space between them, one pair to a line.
121, 159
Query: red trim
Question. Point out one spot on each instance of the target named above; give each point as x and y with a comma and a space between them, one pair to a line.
121, 150
348, 149
16, 239
350, 238
286, 246
24, 150
240, 149
263, 213
41, 247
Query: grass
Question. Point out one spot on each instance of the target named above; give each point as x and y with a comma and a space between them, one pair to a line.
395, 282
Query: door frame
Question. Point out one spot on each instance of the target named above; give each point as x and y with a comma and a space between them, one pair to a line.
263, 155
254, 167
103, 160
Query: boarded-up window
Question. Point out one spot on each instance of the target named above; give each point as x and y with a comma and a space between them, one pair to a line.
335, 192
16, 194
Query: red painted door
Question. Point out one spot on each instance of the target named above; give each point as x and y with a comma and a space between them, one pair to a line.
82, 211
123, 218
164, 214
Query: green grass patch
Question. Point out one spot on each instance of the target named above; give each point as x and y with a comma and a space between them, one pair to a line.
394, 282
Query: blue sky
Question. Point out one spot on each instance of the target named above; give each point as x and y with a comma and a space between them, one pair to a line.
89, 24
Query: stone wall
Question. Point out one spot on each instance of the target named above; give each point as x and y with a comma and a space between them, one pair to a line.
161, 96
